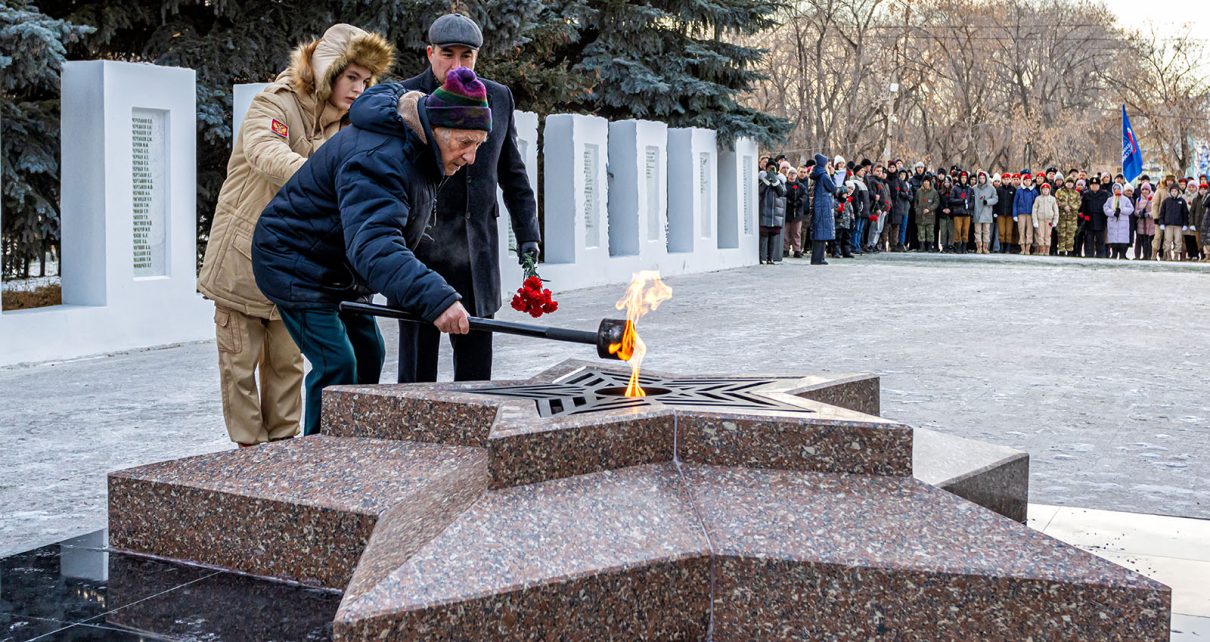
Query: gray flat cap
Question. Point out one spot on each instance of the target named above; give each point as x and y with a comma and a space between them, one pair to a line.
455, 29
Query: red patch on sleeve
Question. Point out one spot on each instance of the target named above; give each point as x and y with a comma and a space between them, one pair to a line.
279, 128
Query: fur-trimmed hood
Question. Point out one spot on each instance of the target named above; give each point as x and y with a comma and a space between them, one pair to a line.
314, 66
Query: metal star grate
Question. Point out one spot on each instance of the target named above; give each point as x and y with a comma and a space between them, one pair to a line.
591, 390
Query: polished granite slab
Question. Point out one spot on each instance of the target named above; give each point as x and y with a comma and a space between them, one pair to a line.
626, 542
858, 557
301, 509
565, 422
82, 590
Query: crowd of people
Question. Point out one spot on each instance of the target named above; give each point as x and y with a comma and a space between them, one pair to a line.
842, 208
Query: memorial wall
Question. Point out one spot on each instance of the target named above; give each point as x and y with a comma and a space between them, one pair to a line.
618, 197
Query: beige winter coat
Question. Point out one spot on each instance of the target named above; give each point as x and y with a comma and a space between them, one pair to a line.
285, 124
1046, 209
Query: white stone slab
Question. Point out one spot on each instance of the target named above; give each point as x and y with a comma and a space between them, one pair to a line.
526, 123
638, 189
241, 99
575, 200
129, 230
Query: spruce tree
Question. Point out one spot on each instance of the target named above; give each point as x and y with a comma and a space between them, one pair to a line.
33, 49
668, 60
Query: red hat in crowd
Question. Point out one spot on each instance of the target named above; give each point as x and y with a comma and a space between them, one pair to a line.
1016, 176
1006, 176
961, 174
1045, 186
1027, 177
1204, 186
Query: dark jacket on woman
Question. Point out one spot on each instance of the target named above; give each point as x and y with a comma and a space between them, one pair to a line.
772, 194
796, 200
823, 222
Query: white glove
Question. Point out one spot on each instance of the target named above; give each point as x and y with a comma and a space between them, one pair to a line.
1161, 228
1035, 225
1184, 228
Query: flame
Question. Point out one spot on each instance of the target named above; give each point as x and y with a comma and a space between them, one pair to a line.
645, 293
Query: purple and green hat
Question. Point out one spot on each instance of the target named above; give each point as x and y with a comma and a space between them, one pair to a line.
461, 103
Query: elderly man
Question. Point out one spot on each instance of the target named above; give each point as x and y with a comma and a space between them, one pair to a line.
351, 221
465, 235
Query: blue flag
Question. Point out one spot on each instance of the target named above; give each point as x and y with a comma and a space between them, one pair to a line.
1132, 156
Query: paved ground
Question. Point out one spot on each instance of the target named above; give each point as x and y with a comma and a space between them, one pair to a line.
1098, 369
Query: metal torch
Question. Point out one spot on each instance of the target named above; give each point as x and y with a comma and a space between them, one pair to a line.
608, 332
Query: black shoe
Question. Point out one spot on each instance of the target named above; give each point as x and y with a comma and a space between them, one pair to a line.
798, 255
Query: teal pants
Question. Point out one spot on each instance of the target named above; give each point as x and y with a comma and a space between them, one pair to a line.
343, 349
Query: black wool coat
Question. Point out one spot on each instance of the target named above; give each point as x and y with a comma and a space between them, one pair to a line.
471, 193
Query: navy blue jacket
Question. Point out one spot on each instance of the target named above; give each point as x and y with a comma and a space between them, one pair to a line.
1023, 201
472, 193
347, 223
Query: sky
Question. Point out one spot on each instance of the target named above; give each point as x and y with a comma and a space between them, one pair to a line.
1169, 15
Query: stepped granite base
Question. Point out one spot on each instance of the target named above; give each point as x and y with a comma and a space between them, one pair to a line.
718, 508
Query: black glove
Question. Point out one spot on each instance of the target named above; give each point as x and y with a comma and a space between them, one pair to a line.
528, 247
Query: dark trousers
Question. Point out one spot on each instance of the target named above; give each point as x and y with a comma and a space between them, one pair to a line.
1118, 250
420, 348
344, 349
857, 240
1093, 247
1142, 246
770, 243
1192, 250
843, 243
817, 248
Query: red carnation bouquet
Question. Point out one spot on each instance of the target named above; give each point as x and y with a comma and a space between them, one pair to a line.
531, 297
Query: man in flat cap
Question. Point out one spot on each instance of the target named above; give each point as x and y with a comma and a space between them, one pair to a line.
465, 234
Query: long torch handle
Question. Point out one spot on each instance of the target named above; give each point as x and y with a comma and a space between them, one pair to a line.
480, 324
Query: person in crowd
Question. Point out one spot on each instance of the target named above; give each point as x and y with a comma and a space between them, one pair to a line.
1203, 221
260, 366
1173, 218
840, 172
796, 201
1144, 223
804, 177
945, 223
907, 233
1068, 200
347, 224
985, 198
901, 205
1043, 217
1005, 227
1194, 200
1081, 224
1092, 210
465, 247
880, 206
1161, 193
823, 224
1118, 209
844, 219
1023, 209
772, 195
861, 206
928, 202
